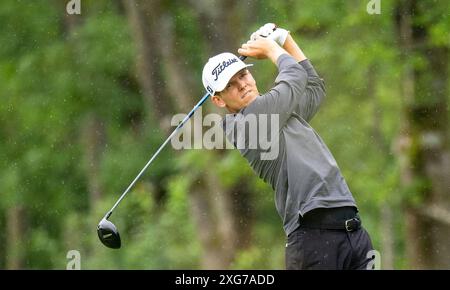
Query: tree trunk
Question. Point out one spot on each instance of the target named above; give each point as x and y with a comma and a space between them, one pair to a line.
386, 221
93, 137
223, 218
160, 61
222, 24
387, 234
423, 142
144, 18
15, 237
230, 207
180, 81
214, 220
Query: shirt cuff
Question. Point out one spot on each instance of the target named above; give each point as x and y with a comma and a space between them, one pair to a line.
285, 60
307, 65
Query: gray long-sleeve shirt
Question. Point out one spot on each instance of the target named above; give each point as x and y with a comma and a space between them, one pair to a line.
304, 173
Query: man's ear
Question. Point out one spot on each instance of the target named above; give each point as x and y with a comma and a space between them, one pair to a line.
217, 100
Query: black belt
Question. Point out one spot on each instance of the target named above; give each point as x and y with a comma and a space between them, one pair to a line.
340, 218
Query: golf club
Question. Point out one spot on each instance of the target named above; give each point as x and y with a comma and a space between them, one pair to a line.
106, 230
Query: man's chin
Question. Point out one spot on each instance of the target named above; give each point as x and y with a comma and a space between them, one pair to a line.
250, 97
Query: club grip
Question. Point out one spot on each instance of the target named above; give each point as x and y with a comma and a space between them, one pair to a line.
242, 57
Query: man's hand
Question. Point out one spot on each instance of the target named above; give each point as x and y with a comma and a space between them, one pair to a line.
262, 48
271, 31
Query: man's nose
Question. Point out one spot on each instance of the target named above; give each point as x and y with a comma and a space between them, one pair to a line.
241, 84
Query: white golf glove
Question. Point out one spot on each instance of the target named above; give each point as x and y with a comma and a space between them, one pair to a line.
271, 31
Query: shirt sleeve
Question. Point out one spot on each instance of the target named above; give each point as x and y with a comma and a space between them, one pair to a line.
284, 98
314, 92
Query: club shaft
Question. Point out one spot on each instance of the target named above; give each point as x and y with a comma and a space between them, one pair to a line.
188, 116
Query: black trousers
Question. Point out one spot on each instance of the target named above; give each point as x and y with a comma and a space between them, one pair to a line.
313, 246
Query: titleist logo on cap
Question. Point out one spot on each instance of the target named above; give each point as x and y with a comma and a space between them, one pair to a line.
221, 66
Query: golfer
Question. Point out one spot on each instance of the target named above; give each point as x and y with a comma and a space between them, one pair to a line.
319, 214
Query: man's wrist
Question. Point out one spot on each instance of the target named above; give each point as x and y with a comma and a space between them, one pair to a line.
293, 49
275, 53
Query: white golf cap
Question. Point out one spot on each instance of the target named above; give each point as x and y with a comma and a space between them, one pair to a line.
218, 71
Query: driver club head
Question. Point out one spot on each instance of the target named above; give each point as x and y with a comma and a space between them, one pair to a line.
108, 234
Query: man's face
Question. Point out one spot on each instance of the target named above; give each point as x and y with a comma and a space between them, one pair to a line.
240, 91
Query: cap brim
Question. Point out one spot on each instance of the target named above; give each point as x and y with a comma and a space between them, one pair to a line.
229, 74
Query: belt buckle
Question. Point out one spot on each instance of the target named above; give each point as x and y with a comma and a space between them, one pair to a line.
347, 226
